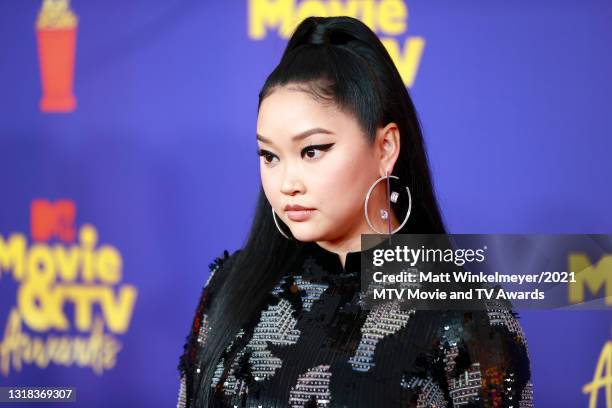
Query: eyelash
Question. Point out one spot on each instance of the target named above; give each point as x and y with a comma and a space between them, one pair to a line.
323, 148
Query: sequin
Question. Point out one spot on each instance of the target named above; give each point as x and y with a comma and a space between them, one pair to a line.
527, 396
466, 387
182, 397
315, 345
429, 393
384, 319
313, 385
312, 291
500, 314
204, 329
276, 326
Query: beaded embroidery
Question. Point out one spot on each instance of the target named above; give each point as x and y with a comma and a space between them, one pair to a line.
315, 334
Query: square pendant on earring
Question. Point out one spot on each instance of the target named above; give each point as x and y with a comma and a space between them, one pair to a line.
384, 214
394, 196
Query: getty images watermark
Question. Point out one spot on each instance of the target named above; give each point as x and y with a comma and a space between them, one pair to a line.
469, 271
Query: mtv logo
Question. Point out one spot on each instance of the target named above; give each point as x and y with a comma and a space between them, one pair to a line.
49, 219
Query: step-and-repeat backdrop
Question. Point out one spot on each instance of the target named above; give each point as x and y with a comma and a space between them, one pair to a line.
127, 157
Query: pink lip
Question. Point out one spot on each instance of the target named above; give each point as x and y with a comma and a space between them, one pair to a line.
296, 212
296, 207
299, 215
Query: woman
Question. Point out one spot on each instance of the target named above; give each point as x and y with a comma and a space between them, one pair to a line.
279, 322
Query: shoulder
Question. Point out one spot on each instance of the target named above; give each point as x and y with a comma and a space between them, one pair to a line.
218, 270
220, 267
487, 348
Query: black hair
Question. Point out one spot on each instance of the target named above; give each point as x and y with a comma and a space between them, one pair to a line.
337, 60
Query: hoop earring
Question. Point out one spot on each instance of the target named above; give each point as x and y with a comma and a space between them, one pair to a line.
392, 197
278, 226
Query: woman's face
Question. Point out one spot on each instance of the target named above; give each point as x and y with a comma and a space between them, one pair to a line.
317, 157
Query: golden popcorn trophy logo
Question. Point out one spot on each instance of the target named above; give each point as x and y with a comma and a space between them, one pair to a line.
70, 295
56, 29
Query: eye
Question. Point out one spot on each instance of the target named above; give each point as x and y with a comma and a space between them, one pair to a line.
315, 151
268, 156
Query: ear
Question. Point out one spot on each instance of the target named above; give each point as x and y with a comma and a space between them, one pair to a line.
387, 147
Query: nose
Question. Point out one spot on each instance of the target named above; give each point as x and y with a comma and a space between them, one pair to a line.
292, 181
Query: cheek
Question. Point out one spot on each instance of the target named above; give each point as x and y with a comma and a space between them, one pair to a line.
269, 188
344, 186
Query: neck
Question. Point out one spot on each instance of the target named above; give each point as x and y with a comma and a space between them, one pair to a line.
342, 246
352, 242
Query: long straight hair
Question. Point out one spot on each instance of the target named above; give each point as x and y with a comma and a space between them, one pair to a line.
341, 61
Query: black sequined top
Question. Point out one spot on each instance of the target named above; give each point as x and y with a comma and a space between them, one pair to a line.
314, 346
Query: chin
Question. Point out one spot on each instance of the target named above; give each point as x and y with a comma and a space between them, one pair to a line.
306, 233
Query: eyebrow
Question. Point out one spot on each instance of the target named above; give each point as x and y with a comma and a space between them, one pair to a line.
300, 136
